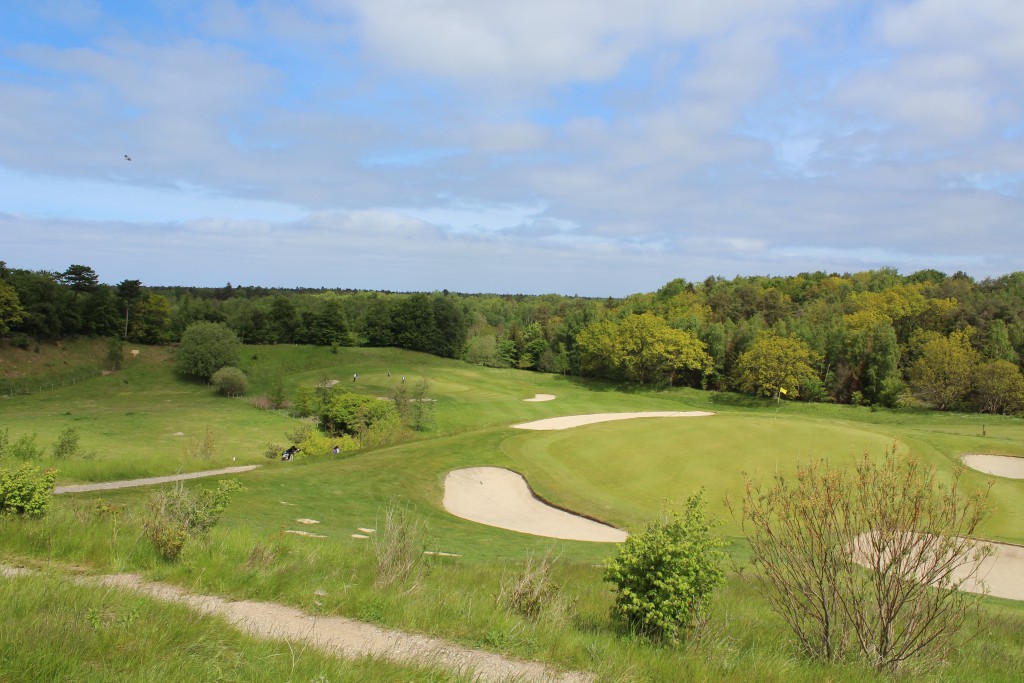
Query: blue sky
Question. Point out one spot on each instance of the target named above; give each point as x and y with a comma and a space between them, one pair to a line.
569, 146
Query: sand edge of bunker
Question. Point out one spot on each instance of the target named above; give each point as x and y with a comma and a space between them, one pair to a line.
1008, 466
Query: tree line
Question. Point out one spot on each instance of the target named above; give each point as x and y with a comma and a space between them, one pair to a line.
874, 338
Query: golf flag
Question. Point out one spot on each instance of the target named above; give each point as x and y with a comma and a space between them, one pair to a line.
782, 390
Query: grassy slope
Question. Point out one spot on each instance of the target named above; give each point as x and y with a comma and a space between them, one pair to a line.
617, 472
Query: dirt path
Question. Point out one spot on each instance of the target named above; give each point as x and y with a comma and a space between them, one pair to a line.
338, 636
128, 483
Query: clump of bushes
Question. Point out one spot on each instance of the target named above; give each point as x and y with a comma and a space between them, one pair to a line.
663, 576
230, 381
22, 448
177, 516
26, 490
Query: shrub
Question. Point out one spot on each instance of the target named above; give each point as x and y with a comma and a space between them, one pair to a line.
177, 516
664, 576
202, 449
530, 590
25, 490
66, 445
230, 381
306, 402
25, 448
876, 558
398, 546
205, 348
347, 413
277, 396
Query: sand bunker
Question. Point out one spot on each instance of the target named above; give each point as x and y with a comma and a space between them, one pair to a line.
502, 498
1001, 574
999, 465
570, 421
537, 398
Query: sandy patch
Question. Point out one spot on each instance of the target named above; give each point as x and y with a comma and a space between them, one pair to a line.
502, 498
303, 533
359, 536
1000, 465
438, 553
537, 398
303, 520
570, 421
1001, 574
365, 530
179, 433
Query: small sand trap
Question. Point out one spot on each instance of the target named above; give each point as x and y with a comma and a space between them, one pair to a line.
307, 521
1000, 465
502, 498
365, 530
438, 553
570, 421
537, 398
359, 536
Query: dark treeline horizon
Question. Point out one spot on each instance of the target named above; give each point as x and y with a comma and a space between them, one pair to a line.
874, 337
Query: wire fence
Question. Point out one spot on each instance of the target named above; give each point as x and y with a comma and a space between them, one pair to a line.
34, 385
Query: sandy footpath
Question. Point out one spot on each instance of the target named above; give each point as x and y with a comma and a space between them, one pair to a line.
337, 635
128, 483
1000, 465
570, 421
502, 498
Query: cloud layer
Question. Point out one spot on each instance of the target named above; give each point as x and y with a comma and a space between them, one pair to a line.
575, 147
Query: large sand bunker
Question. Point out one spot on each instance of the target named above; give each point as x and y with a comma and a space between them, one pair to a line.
1000, 465
570, 421
502, 498
1001, 574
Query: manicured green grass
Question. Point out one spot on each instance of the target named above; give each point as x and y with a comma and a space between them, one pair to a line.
618, 472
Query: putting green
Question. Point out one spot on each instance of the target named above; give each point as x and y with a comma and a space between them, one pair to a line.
620, 472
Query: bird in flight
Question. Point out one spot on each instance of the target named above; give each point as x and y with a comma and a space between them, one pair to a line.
127, 158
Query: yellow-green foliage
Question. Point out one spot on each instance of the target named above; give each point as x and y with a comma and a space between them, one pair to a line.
177, 515
26, 490
664, 575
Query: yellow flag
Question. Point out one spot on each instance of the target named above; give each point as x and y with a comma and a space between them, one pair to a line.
782, 390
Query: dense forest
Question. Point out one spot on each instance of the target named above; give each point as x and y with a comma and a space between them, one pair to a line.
873, 338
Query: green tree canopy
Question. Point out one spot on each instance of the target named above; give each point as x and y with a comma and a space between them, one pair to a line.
998, 387
644, 348
774, 363
942, 373
11, 312
206, 348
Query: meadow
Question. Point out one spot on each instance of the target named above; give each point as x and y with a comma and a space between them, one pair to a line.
144, 421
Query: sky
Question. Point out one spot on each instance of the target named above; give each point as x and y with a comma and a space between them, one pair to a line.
590, 147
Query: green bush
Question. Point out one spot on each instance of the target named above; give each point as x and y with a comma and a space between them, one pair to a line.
664, 576
347, 413
66, 445
230, 381
205, 348
178, 516
25, 490
25, 448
